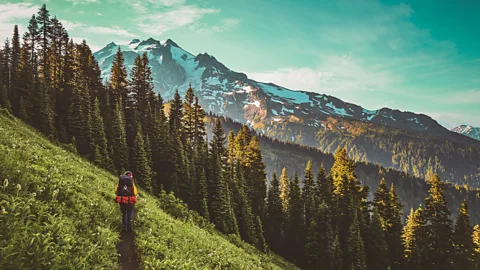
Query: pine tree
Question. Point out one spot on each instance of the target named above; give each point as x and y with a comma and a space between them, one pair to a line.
219, 207
14, 72
255, 176
463, 241
176, 114
25, 82
79, 120
324, 187
119, 140
438, 227
99, 142
309, 194
261, 244
284, 191
347, 204
390, 212
413, 242
295, 229
118, 80
243, 209
189, 116
140, 161
6, 72
274, 215
319, 246
44, 39
202, 194
376, 249
355, 246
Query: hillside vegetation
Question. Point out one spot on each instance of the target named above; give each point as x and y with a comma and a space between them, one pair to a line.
57, 212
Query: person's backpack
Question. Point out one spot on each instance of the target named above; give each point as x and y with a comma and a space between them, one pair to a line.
125, 186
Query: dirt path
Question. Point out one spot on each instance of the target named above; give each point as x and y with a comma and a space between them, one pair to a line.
126, 250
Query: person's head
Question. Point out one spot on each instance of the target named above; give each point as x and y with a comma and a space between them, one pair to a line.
129, 174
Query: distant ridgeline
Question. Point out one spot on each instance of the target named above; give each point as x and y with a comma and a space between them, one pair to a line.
411, 190
325, 219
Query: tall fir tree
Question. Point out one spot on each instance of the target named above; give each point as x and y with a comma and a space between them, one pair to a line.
390, 211
284, 190
323, 186
14, 72
261, 244
274, 215
319, 246
347, 203
295, 228
376, 249
309, 194
413, 241
255, 176
119, 139
219, 207
243, 209
438, 225
140, 161
462, 239
99, 139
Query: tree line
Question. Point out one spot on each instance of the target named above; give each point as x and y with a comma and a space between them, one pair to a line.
327, 222
55, 85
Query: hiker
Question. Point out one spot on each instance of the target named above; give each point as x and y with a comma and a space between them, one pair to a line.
126, 196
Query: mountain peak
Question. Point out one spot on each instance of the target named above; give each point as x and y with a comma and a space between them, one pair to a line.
467, 130
135, 40
111, 44
171, 43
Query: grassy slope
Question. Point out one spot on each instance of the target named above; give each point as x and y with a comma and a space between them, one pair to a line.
57, 211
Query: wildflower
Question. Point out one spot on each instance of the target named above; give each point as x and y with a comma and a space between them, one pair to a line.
19, 187
5, 183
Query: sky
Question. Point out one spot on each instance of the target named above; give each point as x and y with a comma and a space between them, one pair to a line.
418, 56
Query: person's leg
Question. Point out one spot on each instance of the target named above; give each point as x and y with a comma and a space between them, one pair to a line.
129, 216
123, 208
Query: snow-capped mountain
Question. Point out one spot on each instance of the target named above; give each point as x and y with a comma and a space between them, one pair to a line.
472, 132
268, 108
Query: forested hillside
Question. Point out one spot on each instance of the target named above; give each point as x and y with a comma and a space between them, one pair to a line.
411, 190
57, 211
323, 220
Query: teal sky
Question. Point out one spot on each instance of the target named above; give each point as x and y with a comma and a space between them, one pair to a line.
420, 56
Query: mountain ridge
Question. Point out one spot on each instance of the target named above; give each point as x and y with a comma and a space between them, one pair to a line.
224, 91
467, 130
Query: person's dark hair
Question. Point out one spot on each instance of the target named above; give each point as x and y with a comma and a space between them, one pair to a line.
129, 173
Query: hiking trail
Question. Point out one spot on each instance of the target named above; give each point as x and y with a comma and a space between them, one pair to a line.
127, 251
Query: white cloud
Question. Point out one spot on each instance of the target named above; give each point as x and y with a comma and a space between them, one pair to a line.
157, 23
112, 31
76, 2
71, 25
99, 14
224, 25
336, 76
11, 14
464, 97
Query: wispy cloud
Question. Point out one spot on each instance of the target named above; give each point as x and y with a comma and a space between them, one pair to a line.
115, 31
224, 25
14, 13
76, 2
157, 23
336, 76
464, 97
